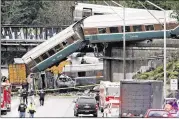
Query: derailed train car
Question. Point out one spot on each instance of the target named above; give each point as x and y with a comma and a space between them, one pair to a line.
55, 49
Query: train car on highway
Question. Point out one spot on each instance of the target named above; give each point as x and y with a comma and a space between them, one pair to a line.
55, 49
83, 70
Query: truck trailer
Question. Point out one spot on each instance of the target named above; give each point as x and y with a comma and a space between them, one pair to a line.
17, 76
135, 96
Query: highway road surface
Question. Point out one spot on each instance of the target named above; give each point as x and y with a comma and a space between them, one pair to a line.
54, 106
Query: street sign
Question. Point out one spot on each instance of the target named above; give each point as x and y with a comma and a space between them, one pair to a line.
173, 84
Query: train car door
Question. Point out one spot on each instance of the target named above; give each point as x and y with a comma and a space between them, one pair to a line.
43, 77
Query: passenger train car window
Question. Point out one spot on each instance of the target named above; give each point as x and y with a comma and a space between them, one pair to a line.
87, 12
75, 37
44, 56
101, 30
37, 60
58, 47
70, 41
149, 27
64, 43
137, 28
127, 28
31, 64
113, 29
51, 52
98, 14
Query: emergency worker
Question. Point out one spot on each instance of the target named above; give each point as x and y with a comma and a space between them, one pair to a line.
22, 109
97, 98
25, 95
31, 110
55, 71
32, 96
42, 96
20, 94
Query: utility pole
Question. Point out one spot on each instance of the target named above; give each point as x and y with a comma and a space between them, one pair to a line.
124, 48
165, 62
124, 40
124, 37
0, 64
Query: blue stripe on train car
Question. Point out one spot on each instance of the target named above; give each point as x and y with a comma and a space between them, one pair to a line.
59, 56
130, 36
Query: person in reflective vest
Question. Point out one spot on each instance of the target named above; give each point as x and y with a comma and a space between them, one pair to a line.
31, 110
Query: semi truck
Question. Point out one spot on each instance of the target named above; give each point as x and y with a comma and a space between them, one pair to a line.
135, 96
20, 77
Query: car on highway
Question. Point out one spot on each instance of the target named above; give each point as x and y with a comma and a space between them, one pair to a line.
85, 105
157, 113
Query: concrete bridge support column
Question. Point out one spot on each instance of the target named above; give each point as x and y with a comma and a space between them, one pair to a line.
107, 65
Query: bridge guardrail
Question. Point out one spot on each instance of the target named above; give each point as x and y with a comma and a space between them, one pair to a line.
29, 32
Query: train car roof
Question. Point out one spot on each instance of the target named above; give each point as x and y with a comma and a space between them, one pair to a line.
48, 42
106, 9
83, 67
130, 19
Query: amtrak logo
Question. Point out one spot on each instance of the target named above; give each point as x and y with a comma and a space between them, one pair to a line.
134, 36
59, 56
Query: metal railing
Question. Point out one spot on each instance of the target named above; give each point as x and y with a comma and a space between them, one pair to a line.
13, 32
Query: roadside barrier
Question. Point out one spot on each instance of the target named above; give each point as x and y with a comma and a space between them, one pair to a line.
74, 87
58, 89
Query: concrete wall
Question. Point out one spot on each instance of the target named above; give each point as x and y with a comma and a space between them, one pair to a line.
137, 57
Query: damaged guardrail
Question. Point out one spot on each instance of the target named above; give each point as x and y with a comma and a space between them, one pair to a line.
74, 88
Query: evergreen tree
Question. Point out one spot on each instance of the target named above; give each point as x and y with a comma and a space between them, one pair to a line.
28, 12
40, 12
7, 11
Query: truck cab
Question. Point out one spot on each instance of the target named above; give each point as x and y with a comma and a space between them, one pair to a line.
108, 91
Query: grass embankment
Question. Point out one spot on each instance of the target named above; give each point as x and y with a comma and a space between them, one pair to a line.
158, 73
